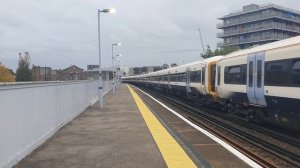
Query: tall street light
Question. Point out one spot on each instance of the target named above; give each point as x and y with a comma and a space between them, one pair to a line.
116, 81
113, 65
99, 42
119, 72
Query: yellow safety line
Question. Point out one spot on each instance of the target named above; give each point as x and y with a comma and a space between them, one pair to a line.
171, 151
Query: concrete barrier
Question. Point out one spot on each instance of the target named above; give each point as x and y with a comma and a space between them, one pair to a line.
30, 113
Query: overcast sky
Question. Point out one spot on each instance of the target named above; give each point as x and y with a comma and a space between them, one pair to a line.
58, 33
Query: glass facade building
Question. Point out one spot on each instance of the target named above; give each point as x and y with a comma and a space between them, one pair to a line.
258, 24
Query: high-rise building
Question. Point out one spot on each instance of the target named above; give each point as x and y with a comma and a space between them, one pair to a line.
258, 24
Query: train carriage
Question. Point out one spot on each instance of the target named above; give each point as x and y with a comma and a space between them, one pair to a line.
266, 78
261, 83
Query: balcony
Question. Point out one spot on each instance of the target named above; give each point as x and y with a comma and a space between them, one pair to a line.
220, 25
220, 44
252, 40
258, 29
220, 35
258, 18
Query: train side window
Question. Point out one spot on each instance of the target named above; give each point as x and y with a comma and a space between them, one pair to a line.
250, 82
235, 74
276, 73
296, 73
219, 75
192, 76
183, 77
203, 76
179, 77
187, 76
198, 76
195, 76
259, 73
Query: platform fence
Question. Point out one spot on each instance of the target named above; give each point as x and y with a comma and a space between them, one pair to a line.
30, 113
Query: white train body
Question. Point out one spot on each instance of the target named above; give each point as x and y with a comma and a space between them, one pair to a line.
263, 82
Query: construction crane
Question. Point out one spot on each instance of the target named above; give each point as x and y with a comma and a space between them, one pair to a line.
201, 40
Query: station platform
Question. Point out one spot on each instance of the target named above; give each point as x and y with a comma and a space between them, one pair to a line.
126, 133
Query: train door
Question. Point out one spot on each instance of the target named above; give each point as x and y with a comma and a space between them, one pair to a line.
260, 76
212, 77
218, 80
169, 79
203, 80
187, 80
255, 79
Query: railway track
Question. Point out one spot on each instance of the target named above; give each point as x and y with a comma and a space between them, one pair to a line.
266, 147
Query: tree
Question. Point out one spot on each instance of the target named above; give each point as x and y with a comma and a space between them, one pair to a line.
6, 75
208, 53
219, 51
228, 49
23, 72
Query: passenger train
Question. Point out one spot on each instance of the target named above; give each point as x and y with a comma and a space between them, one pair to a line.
260, 83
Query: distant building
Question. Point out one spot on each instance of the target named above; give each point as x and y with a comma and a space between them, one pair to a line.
91, 67
41, 73
54, 75
173, 65
143, 70
93, 73
258, 24
72, 73
165, 66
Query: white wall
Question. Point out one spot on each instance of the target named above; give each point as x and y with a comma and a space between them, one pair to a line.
31, 113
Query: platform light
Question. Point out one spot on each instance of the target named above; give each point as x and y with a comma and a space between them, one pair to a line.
99, 43
113, 64
117, 44
111, 10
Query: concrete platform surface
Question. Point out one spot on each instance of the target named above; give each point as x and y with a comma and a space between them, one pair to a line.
115, 137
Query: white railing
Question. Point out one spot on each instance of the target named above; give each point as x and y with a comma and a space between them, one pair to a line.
30, 113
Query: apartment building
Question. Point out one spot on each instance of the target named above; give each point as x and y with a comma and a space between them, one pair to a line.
257, 25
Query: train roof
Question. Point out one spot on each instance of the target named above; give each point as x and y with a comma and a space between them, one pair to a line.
265, 47
204, 61
165, 71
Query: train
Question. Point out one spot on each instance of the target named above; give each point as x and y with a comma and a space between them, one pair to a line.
260, 84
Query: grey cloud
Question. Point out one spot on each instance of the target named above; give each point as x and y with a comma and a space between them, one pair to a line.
60, 32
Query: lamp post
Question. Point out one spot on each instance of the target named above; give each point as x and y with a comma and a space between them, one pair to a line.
99, 42
119, 67
113, 65
117, 81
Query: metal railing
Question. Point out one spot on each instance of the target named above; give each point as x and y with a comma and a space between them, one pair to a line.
252, 40
257, 18
30, 113
263, 27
